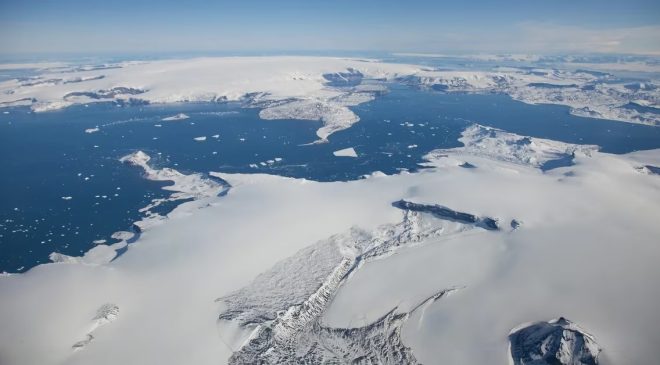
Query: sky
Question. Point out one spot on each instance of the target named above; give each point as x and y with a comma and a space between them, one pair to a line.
449, 27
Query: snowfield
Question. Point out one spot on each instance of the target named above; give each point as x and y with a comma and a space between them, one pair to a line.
395, 269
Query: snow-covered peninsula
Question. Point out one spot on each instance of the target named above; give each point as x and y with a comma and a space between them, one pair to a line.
391, 267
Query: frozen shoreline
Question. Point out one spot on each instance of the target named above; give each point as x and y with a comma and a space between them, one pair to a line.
301, 87
295, 84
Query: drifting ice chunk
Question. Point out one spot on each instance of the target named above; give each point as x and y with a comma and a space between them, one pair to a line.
180, 116
346, 152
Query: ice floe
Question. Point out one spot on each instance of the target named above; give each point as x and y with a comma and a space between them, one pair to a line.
180, 116
346, 152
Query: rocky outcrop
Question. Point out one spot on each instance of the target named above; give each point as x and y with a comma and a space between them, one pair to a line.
445, 213
284, 305
557, 342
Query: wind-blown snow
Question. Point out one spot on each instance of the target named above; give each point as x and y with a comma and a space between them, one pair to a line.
582, 252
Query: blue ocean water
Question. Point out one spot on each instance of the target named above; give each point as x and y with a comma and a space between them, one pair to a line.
48, 156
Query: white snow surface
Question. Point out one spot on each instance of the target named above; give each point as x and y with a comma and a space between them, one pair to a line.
582, 252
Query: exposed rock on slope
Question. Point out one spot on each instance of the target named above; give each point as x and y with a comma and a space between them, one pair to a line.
559, 341
284, 305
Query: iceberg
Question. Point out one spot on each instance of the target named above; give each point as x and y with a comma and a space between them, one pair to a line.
346, 152
180, 116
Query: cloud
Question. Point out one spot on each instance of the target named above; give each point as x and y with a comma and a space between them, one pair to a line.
535, 37
552, 37
475, 37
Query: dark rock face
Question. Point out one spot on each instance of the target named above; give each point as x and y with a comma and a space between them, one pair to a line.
551, 86
637, 86
439, 87
640, 108
448, 214
557, 342
648, 169
351, 77
653, 169
106, 94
